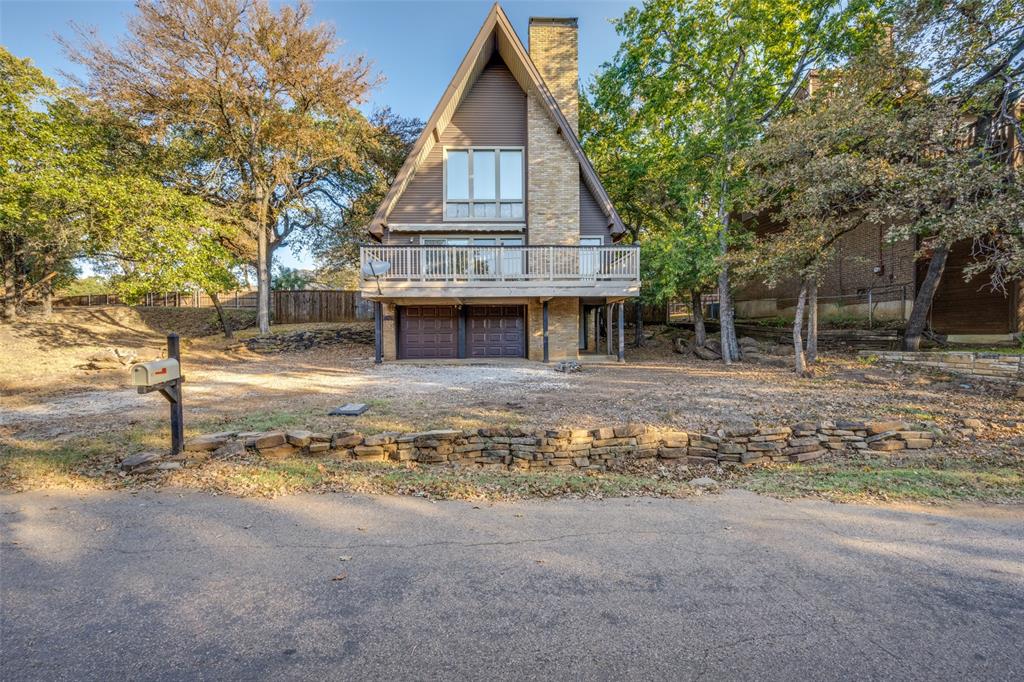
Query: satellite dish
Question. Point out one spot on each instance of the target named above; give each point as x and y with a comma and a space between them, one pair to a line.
375, 268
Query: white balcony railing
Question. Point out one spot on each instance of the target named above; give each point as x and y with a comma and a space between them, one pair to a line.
483, 264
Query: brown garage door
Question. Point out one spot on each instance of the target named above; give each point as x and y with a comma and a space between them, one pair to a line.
495, 331
427, 332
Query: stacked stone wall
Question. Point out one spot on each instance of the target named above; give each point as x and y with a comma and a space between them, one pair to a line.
990, 366
567, 448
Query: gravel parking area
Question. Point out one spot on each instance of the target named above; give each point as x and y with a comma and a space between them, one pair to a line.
226, 385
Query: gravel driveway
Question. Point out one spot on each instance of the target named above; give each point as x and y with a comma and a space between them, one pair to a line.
659, 387
185, 586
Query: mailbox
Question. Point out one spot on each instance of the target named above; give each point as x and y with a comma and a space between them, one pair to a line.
156, 372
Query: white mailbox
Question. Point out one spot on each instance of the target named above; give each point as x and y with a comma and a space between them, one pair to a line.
156, 372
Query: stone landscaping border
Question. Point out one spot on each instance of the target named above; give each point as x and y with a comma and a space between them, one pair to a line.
557, 449
988, 366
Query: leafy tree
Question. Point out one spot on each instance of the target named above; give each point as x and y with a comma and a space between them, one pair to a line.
82, 184
73, 181
970, 49
29, 144
356, 193
681, 263
249, 101
824, 170
174, 244
632, 165
84, 286
973, 53
698, 80
290, 279
874, 145
345, 278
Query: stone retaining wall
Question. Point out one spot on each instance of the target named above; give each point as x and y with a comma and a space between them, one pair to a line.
990, 366
558, 449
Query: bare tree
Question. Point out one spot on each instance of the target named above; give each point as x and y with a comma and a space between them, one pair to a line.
250, 105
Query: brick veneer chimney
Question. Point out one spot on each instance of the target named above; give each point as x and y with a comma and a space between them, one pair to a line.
554, 49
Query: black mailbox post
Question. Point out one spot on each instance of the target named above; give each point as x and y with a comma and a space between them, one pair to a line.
171, 390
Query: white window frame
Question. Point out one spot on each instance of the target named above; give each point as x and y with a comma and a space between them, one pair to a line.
590, 258
512, 263
497, 201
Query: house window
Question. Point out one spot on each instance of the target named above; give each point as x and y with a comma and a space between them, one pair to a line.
483, 258
590, 257
483, 184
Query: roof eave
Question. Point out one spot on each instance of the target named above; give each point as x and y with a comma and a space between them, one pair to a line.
496, 17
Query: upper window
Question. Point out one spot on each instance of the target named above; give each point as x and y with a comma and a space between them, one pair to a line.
483, 184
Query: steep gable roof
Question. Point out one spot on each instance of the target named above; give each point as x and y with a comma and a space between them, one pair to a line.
496, 34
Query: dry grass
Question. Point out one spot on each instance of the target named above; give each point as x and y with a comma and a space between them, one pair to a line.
72, 428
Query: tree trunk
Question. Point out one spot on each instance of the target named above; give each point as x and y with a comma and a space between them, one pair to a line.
47, 285
225, 323
923, 300
263, 256
20, 276
10, 308
800, 361
726, 314
700, 338
639, 327
812, 320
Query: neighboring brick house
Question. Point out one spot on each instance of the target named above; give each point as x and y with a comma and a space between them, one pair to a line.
868, 268
869, 271
497, 237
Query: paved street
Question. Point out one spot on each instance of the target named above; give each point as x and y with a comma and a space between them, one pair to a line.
184, 586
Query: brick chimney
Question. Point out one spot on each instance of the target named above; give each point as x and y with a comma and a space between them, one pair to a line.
554, 49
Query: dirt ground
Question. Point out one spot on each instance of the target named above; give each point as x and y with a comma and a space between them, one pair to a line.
46, 395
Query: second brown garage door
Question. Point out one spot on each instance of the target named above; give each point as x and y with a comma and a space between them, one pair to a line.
428, 332
495, 331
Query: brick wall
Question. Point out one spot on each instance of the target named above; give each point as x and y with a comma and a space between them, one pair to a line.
390, 340
852, 271
563, 329
553, 179
554, 49
553, 182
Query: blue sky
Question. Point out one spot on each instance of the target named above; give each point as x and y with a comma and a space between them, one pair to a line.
380, 30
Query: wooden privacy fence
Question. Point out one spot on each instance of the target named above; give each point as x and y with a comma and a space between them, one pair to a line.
294, 307
286, 307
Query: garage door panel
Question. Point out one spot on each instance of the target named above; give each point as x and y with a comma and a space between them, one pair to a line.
428, 332
496, 331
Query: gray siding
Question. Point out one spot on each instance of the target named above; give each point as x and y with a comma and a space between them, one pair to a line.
493, 113
399, 238
593, 221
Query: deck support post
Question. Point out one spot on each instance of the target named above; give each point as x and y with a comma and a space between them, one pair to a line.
461, 340
609, 308
581, 342
622, 331
545, 315
378, 332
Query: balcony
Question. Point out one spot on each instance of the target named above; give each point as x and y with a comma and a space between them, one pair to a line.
500, 271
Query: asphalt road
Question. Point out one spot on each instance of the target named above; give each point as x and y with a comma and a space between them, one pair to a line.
170, 586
